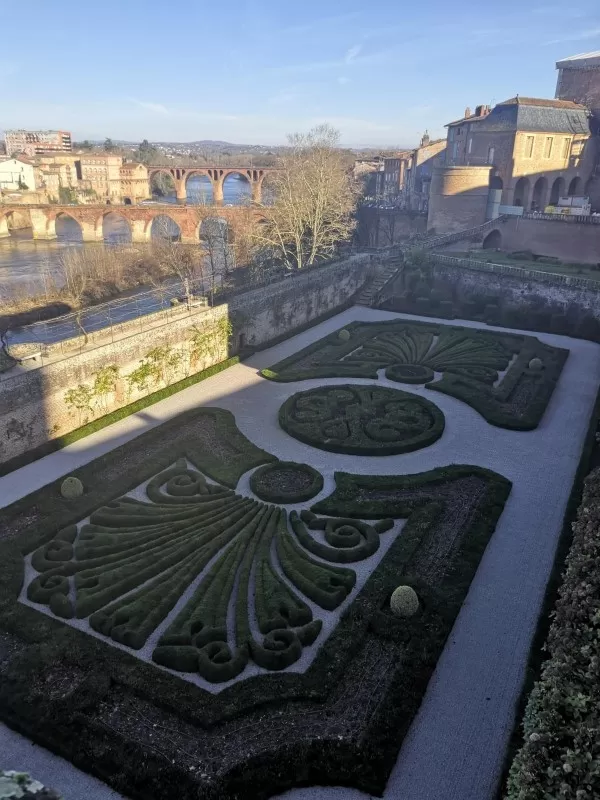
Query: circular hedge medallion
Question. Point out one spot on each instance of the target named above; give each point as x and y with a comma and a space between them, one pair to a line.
409, 373
361, 420
286, 482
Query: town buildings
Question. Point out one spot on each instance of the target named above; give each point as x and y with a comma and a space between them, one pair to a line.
524, 155
36, 142
17, 174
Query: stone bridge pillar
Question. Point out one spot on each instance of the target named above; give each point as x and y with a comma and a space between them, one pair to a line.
42, 226
256, 186
218, 190
91, 231
140, 231
180, 189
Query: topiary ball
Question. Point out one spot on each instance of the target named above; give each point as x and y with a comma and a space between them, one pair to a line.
344, 335
71, 488
536, 364
404, 601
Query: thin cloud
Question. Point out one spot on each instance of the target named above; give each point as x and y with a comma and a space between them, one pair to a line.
156, 108
579, 36
352, 53
342, 80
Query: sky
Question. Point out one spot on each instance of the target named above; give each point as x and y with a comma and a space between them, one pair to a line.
253, 71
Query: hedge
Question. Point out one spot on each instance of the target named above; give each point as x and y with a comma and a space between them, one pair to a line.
264, 482
560, 755
470, 360
362, 420
100, 680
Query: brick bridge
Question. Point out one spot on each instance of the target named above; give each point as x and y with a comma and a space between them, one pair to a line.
216, 176
139, 218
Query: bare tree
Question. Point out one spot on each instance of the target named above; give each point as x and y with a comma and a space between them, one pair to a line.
314, 200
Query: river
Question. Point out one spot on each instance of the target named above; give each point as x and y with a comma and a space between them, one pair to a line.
25, 264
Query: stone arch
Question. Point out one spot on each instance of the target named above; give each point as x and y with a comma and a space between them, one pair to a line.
205, 194
521, 193
127, 201
539, 194
14, 220
121, 228
557, 191
64, 225
493, 241
152, 173
234, 180
575, 187
163, 226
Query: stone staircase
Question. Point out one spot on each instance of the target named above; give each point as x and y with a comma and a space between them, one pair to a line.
395, 261
370, 292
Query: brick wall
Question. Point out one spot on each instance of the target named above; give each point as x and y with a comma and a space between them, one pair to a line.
32, 399
568, 241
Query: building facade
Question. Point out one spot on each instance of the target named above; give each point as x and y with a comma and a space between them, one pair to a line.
34, 143
417, 172
525, 153
17, 175
135, 185
579, 80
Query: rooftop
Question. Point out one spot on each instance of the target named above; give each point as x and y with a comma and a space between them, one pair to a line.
538, 101
591, 59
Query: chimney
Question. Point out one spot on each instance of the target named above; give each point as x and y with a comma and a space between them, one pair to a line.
467, 112
425, 139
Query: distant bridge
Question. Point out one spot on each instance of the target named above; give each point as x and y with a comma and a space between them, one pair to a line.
216, 175
90, 219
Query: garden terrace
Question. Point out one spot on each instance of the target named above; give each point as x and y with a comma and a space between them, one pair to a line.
213, 612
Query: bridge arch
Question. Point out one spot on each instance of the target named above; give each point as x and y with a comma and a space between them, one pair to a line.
161, 187
163, 226
66, 227
15, 219
493, 241
114, 227
237, 186
203, 194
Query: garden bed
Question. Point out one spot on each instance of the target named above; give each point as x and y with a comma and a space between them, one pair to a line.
161, 538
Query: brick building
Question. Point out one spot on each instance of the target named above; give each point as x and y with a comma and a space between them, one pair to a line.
417, 172
579, 80
34, 143
525, 152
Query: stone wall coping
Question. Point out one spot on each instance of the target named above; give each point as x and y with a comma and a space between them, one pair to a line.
518, 272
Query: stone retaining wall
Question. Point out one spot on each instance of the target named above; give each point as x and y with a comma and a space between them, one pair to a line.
33, 408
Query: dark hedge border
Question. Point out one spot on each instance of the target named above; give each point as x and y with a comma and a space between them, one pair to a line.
315, 439
283, 498
108, 419
409, 373
486, 400
537, 655
65, 722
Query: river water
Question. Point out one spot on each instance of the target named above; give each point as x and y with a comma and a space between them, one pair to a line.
25, 265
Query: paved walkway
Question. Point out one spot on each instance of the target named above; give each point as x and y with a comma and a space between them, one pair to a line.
455, 748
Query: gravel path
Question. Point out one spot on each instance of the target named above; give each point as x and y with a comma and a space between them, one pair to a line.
454, 750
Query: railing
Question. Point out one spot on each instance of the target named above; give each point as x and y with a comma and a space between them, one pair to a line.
586, 220
519, 272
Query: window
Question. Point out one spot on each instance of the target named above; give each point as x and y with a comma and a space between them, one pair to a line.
469, 144
451, 135
529, 146
566, 148
491, 153
548, 146
455, 150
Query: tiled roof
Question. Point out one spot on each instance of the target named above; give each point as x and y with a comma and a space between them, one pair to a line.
537, 101
534, 114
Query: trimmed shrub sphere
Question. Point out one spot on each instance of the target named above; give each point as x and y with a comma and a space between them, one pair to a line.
71, 488
536, 364
344, 335
404, 601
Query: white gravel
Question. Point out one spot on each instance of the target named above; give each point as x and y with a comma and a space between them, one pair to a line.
455, 747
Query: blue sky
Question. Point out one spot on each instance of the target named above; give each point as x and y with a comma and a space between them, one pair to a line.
253, 70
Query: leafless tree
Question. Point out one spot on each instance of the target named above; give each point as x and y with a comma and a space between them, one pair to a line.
314, 200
